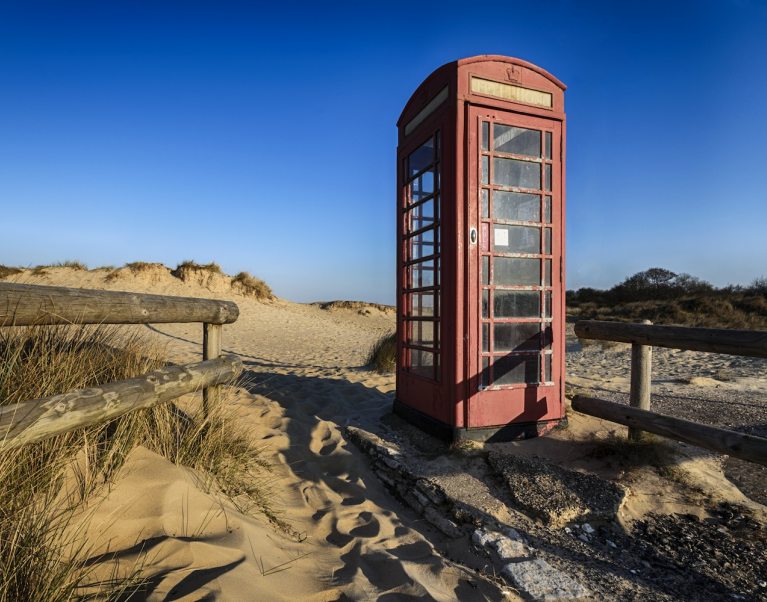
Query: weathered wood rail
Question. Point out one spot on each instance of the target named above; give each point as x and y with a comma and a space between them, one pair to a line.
25, 305
638, 417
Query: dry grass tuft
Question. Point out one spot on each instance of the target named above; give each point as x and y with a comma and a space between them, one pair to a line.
185, 268
72, 265
135, 268
382, 356
6, 271
250, 285
360, 306
39, 559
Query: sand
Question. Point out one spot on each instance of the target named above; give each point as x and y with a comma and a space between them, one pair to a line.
355, 541
304, 382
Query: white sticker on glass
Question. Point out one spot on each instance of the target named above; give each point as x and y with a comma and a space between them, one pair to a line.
501, 237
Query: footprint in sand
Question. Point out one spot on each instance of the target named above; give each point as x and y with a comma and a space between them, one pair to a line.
324, 439
363, 525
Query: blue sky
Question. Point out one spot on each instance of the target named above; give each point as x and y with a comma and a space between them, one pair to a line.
262, 136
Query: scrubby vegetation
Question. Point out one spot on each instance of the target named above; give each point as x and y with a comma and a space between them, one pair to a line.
382, 356
6, 270
360, 306
39, 557
666, 297
250, 285
73, 265
183, 268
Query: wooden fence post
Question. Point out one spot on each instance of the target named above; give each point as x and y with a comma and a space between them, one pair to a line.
211, 349
641, 381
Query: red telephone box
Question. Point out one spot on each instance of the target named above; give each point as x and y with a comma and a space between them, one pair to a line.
480, 253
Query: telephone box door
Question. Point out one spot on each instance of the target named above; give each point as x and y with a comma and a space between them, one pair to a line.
515, 291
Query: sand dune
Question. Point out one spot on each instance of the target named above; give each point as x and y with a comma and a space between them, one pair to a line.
304, 383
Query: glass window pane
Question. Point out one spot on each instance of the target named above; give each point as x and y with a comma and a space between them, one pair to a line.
485, 337
420, 216
547, 272
422, 304
485, 303
548, 337
548, 177
485, 134
422, 245
422, 362
422, 274
423, 333
547, 367
548, 304
484, 240
485, 168
485, 269
422, 186
516, 337
519, 141
547, 241
516, 304
485, 379
516, 206
516, 271
485, 202
548, 144
547, 209
421, 157
516, 239
516, 173
513, 369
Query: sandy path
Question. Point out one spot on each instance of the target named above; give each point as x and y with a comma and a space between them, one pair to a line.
304, 384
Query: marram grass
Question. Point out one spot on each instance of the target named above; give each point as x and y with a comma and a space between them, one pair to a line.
40, 558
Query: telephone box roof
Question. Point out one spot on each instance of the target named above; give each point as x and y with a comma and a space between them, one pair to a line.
453, 66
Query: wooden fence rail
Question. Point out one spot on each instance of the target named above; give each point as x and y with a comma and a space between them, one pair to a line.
39, 419
751, 343
732, 443
637, 417
26, 305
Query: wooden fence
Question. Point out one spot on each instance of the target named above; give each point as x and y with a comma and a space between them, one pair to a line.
34, 420
637, 416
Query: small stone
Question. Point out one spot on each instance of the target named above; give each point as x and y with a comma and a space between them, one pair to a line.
514, 534
508, 549
584, 538
445, 525
421, 498
412, 502
431, 492
385, 477
537, 579
480, 537
611, 544
587, 528
391, 462
568, 530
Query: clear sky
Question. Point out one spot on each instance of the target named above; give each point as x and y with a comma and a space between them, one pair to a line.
262, 136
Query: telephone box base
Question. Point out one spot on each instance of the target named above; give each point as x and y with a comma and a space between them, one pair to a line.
490, 434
